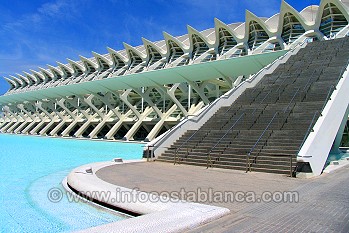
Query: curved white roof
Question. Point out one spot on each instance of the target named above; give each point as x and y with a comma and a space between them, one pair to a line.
273, 22
309, 13
309, 18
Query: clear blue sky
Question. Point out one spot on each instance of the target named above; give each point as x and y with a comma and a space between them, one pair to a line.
37, 32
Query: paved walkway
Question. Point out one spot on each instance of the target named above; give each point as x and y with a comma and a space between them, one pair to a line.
323, 202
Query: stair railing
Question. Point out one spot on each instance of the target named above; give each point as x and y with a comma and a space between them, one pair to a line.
230, 107
278, 90
307, 85
310, 129
248, 162
176, 157
333, 87
293, 97
285, 117
342, 72
328, 97
317, 113
291, 167
329, 93
260, 103
209, 159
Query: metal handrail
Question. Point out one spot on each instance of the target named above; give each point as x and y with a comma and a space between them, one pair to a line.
226, 133
291, 100
248, 155
228, 111
280, 86
301, 43
150, 153
307, 85
260, 137
230, 107
342, 71
308, 82
260, 103
280, 58
308, 130
185, 142
328, 97
170, 130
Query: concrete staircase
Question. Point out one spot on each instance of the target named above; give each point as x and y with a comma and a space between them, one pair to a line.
264, 129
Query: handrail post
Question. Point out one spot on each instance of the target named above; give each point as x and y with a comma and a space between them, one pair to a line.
187, 152
175, 157
262, 134
232, 135
247, 162
208, 160
190, 138
328, 97
226, 133
148, 154
152, 154
291, 165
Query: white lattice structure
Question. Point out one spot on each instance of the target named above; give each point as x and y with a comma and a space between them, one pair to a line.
140, 92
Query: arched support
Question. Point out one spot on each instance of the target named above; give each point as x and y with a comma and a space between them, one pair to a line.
97, 112
124, 98
46, 119
14, 120
146, 97
130, 134
112, 111
25, 117
35, 117
156, 129
88, 117
170, 92
199, 90
117, 125
75, 117
58, 117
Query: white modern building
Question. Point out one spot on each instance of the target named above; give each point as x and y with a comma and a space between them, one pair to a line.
141, 92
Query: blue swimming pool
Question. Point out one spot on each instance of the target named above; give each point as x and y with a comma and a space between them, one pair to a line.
31, 166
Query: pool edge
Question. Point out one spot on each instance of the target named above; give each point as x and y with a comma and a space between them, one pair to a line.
168, 215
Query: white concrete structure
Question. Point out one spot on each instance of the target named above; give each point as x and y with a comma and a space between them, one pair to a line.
158, 213
327, 127
140, 92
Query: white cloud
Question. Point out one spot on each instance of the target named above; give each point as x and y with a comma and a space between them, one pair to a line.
52, 9
60, 9
29, 39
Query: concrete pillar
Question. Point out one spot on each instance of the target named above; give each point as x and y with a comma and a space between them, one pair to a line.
137, 124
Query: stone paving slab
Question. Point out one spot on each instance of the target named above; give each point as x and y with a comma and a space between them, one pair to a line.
323, 201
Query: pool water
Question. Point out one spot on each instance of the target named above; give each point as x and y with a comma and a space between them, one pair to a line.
336, 157
30, 166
